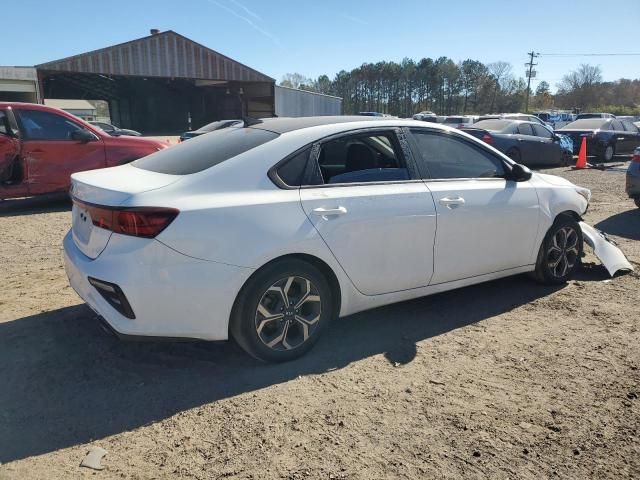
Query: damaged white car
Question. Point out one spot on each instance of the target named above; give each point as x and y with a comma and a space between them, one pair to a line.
268, 231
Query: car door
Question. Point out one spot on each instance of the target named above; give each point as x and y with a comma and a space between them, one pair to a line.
51, 154
550, 151
9, 150
485, 222
632, 135
373, 211
622, 138
528, 144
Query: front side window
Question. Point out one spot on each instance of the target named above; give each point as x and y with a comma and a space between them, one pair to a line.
374, 157
630, 127
5, 128
448, 156
40, 125
617, 125
540, 131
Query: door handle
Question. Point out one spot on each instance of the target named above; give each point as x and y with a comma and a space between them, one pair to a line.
329, 212
452, 203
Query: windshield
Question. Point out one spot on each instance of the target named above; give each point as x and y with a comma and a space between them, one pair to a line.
210, 127
204, 151
586, 124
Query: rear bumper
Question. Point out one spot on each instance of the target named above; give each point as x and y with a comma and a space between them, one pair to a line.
172, 295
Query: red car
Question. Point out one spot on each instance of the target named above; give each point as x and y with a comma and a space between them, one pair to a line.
40, 147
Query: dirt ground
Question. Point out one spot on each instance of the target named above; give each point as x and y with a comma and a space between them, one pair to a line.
502, 380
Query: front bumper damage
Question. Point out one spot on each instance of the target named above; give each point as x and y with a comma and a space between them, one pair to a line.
605, 249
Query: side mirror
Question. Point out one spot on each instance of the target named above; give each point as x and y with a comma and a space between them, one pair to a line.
520, 173
83, 136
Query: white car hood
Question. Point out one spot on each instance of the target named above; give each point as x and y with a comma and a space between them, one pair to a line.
554, 180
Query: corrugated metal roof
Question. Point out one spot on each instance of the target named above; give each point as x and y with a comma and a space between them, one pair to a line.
166, 54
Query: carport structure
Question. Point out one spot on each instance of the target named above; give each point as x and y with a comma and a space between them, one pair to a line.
156, 84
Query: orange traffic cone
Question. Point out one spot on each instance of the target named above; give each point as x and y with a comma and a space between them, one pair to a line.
582, 155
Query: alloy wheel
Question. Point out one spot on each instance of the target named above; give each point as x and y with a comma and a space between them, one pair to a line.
563, 251
608, 153
288, 313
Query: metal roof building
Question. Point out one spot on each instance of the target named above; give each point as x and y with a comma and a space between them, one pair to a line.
161, 83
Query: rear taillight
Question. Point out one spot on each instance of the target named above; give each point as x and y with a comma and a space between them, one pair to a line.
636, 157
487, 138
146, 222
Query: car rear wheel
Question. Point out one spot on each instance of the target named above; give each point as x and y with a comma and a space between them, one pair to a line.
608, 153
567, 159
560, 252
282, 310
514, 154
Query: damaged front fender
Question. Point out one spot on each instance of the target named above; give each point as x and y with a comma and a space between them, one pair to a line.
605, 249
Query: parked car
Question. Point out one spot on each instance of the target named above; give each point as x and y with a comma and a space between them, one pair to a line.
555, 119
266, 233
41, 146
529, 143
115, 131
606, 137
460, 121
426, 116
582, 116
516, 116
371, 114
633, 178
211, 127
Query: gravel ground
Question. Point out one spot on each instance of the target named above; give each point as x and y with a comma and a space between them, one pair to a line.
502, 380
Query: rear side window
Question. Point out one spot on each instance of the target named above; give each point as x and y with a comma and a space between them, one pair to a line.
617, 125
525, 129
291, 172
448, 156
205, 151
630, 127
542, 132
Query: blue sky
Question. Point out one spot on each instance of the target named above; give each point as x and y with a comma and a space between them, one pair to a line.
315, 37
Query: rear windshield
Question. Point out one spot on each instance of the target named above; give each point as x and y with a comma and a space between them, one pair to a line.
205, 151
493, 125
586, 124
210, 127
454, 120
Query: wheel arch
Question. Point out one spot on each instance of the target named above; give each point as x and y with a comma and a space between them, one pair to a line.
317, 262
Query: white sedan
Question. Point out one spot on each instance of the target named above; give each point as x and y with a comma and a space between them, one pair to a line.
266, 232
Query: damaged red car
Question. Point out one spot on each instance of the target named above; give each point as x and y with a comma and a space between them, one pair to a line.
40, 147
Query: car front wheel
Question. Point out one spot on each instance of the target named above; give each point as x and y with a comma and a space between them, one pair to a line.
282, 310
560, 252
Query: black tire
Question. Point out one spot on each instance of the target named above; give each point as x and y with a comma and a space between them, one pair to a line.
251, 327
557, 261
514, 154
608, 153
637, 202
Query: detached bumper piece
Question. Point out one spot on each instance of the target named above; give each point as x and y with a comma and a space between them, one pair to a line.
114, 296
605, 249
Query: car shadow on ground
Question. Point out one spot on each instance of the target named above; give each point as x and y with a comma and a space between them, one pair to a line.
66, 382
625, 224
28, 206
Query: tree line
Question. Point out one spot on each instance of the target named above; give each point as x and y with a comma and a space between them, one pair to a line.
468, 87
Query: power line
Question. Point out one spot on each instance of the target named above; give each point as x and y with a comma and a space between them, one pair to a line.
590, 54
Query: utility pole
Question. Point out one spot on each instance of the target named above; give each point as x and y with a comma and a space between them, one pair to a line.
530, 64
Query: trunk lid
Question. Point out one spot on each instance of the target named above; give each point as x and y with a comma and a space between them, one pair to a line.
108, 187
